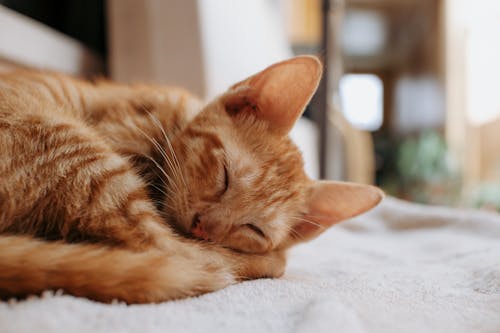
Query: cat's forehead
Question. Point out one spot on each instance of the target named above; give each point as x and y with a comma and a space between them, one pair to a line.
243, 162
250, 149
261, 159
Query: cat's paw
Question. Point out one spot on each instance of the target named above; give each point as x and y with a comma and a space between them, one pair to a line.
270, 265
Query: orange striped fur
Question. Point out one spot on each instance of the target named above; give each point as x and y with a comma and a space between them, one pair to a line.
141, 193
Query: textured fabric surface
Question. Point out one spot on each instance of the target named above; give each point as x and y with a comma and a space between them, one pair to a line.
399, 268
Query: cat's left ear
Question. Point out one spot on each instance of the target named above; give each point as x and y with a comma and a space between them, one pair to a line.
331, 202
278, 94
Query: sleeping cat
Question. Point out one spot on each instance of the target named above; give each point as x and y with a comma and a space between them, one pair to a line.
142, 194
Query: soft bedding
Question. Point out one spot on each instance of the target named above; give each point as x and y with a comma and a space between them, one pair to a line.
400, 268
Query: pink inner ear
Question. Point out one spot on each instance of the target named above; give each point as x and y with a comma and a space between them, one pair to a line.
279, 93
332, 202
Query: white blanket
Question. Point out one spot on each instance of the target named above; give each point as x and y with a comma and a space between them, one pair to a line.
399, 268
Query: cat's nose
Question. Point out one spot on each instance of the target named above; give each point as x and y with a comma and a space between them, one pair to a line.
199, 228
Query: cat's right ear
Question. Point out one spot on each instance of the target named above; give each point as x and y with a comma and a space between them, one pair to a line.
278, 94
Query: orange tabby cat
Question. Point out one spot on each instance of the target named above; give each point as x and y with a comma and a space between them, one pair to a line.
139, 193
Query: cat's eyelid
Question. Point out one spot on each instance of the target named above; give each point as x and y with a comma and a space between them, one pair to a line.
255, 229
226, 179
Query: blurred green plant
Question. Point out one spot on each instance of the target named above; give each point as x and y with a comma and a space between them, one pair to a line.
425, 171
484, 196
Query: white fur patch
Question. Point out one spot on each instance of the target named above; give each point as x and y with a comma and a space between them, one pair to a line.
113, 162
139, 206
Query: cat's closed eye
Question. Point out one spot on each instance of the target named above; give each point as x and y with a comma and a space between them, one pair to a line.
255, 229
223, 180
226, 180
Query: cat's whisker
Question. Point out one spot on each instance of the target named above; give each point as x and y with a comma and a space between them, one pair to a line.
309, 221
157, 146
291, 230
167, 181
296, 234
170, 180
156, 201
170, 147
168, 195
320, 216
169, 163
163, 204
162, 152
175, 165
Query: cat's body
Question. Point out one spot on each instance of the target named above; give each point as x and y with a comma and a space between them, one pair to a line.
67, 127
121, 172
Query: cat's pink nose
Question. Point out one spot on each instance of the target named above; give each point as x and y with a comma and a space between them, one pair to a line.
198, 228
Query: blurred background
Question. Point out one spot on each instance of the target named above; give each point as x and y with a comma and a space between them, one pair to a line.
410, 99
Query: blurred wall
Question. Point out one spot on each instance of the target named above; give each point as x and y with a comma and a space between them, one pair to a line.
202, 45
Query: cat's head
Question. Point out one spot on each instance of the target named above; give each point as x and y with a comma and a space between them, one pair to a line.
241, 181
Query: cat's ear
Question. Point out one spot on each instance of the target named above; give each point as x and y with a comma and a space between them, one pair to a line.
331, 202
278, 94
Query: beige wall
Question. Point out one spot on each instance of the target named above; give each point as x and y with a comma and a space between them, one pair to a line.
156, 41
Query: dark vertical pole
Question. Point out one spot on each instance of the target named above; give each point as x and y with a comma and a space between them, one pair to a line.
321, 98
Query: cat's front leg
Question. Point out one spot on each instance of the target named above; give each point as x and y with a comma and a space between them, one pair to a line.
244, 266
270, 265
